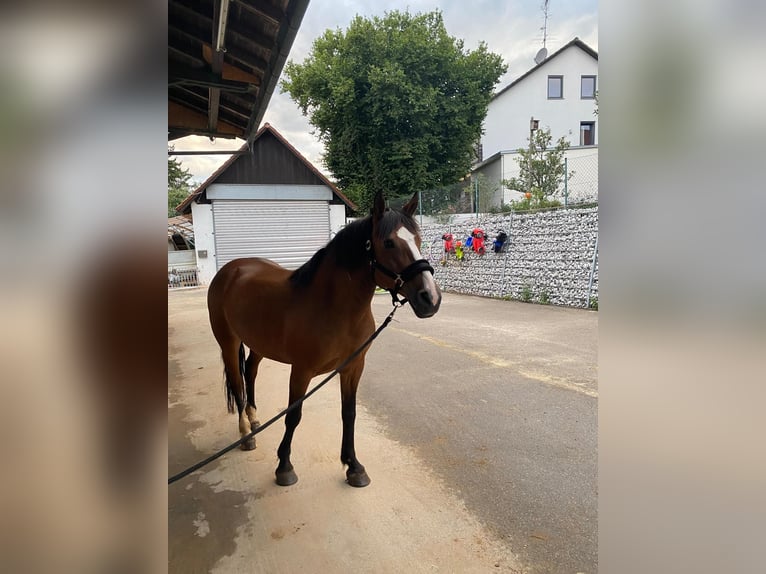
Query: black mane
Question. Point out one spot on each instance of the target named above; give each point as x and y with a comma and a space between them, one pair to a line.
347, 248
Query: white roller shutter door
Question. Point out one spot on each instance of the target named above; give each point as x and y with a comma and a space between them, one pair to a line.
287, 232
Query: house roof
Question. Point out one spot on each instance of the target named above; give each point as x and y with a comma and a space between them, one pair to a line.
181, 224
224, 92
199, 193
575, 42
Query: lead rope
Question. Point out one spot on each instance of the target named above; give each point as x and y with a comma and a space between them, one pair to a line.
294, 405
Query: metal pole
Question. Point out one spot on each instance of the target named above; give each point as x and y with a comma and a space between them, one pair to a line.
566, 180
507, 249
476, 196
592, 272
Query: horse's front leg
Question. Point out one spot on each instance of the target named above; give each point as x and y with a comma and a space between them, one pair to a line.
349, 381
299, 382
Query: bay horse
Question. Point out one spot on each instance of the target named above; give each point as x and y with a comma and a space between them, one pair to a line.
313, 318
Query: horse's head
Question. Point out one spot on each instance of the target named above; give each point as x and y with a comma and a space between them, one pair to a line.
397, 262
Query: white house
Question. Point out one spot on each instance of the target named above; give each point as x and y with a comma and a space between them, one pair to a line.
557, 94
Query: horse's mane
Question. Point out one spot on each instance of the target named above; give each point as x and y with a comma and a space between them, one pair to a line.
347, 248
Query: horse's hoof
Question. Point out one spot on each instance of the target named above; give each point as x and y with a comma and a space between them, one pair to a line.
287, 477
357, 479
249, 444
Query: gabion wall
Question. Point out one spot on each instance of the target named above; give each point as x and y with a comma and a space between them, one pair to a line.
547, 258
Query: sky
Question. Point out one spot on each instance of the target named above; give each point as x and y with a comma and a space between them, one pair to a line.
511, 28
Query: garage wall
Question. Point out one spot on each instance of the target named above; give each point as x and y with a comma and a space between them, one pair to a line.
337, 218
204, 241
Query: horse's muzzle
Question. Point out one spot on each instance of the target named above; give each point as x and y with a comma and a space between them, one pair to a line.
423, 303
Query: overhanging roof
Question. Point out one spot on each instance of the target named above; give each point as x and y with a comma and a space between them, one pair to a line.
224, 93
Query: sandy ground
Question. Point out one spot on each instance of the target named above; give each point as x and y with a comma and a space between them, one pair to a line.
232, 517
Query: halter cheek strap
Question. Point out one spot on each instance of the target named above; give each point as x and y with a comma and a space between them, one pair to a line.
408, 273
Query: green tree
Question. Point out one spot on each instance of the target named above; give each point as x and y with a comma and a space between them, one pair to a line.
397, 102
179, 184
541, 171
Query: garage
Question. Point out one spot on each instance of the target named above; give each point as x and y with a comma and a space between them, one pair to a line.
259, 227
267, 200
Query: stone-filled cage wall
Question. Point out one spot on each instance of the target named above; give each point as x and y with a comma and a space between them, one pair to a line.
549, 257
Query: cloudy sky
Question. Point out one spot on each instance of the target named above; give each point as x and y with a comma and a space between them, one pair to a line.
511, 28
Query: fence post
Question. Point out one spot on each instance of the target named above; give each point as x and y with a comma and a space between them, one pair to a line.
566, 180
476, 196
592, 271
507, 249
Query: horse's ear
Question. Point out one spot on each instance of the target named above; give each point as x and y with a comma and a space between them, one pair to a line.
411, 206
378, 206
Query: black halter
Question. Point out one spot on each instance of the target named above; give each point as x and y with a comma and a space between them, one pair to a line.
408, 273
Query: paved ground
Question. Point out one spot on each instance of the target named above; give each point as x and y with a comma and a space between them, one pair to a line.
499, 399
477, 427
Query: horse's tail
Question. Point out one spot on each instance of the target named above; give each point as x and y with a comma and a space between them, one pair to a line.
231, 398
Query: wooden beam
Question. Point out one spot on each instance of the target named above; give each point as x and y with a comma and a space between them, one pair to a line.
252, 36
263, 9
247, 58
180, 75
214, 93
181, 118
229, 71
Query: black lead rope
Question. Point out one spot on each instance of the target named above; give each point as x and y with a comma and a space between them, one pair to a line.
275, 418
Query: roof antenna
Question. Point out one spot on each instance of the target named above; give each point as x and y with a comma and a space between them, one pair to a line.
543, 52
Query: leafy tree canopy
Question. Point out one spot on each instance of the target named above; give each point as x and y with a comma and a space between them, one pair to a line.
179, 184
397, 102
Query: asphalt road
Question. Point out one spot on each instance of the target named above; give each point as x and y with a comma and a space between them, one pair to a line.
499, 399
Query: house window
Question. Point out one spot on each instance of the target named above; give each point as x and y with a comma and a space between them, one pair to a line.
587, 87
555, 87
587, 133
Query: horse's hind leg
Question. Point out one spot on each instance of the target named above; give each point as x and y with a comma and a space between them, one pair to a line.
349, 381
233, 354
251, 371
299, 382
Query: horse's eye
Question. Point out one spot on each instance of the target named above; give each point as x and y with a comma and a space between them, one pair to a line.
388, 243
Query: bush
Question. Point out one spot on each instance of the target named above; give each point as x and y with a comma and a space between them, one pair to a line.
526, 293
528, 204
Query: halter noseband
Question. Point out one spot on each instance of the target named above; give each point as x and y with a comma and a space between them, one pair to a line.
408, 273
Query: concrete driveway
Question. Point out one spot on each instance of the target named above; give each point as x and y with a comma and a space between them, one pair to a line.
477, 428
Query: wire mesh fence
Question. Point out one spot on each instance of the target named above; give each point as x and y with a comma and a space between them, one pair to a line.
486, 190
582, 187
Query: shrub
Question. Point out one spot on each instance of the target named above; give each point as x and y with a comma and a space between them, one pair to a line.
526, 293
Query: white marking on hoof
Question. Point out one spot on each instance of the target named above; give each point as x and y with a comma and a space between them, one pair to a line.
244, 424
